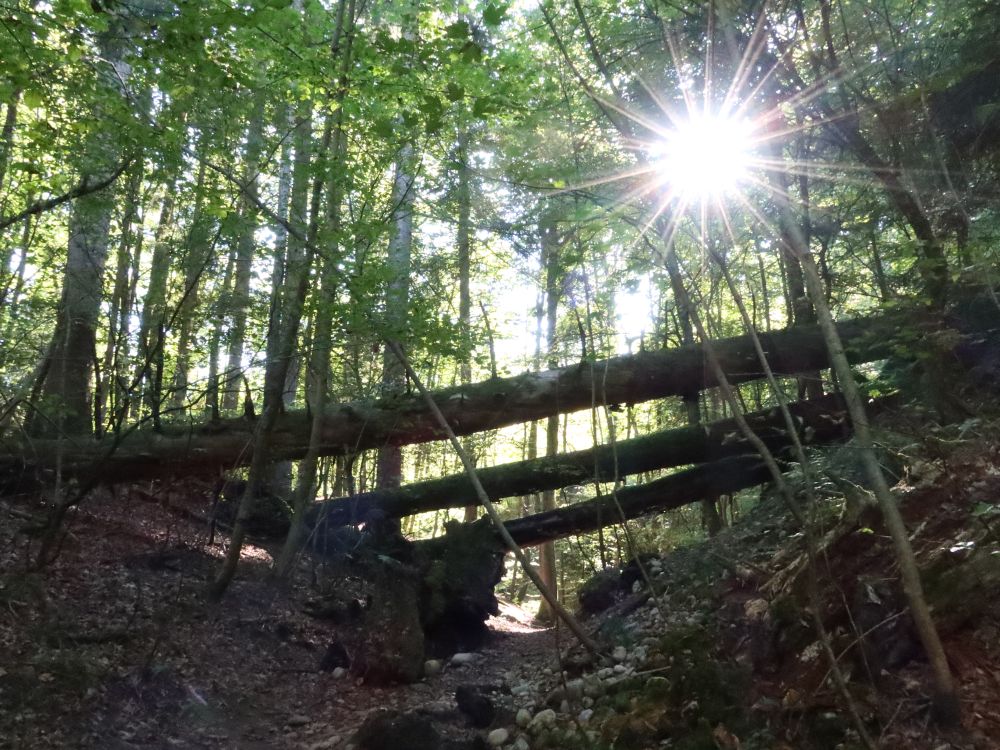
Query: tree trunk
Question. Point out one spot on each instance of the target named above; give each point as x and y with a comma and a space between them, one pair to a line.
674, 491
198, 256
66, 390
549, 242
153, 322
464, 241
335, 146
246, 243
108, 391
389, 471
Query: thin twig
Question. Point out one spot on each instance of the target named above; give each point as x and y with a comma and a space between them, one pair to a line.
491, 510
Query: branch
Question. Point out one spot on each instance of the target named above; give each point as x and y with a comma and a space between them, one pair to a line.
85, 187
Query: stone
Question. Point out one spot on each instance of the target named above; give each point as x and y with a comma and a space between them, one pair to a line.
585, 715
392, 730
619, 654
461, 659
497, 737
521, 744
542, 720
523, 718
339, 672
574, 690
432, 667
299, 720
600, 592
473, 702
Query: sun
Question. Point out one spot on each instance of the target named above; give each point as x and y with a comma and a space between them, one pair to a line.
704, 157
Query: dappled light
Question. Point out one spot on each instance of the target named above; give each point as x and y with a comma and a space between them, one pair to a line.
517, 375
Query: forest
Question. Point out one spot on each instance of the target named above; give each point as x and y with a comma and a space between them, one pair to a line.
509, 374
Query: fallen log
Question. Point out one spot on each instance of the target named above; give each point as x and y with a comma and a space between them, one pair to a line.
819, 420
720, 477
224, 444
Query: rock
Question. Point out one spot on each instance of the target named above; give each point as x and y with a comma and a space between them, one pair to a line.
554, 698
585, 715
600, 592
658, 686
339, 672
473, 702
462, 659
497, 737
523, 718
544, 719
299, 720
392, 730
619, 654
574, 690
335, 657
522, 689
521, 744
593, 688
432, 667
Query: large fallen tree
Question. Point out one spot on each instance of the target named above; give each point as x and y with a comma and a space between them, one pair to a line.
142, 453
820, 420
721, 477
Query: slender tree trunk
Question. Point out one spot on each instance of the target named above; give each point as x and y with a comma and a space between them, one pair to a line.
154, 309
464, 241
198, 257
108, 393
794, 240
946, 701
549, 241
212, 403
7, 143
246, 243
389, 470
334, 144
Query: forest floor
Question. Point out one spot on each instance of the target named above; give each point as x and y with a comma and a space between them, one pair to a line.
113, 646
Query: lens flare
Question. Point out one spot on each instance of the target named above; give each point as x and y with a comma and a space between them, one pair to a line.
704, 157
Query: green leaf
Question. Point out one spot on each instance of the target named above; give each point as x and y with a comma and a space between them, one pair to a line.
457, 30
472, 52
482, 106
33, 99
384, 128
494, 13
431, 105
454, 92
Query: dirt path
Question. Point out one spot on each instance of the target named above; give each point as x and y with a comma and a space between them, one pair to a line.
332, 709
